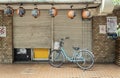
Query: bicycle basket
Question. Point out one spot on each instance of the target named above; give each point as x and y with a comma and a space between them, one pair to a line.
56, 45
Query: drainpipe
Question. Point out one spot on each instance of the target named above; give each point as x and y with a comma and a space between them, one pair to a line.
47, 1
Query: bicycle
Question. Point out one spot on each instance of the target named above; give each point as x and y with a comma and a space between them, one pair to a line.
83, 58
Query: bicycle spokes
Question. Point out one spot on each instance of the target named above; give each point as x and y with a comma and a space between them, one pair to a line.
56, 59
86, 60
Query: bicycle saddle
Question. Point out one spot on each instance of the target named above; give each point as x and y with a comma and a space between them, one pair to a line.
76, 48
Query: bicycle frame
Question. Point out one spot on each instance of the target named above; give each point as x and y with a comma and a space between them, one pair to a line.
79, 56
71, 59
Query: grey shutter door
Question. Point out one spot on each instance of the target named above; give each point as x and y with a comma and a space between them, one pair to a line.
80, 32
30, 32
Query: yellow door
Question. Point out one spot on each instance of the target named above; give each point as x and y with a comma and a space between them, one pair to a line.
41, 53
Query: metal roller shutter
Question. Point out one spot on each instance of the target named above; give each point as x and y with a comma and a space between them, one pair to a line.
30, 32
80, 32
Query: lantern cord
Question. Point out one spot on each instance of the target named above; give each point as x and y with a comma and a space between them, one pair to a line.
82, 33
7, 5
52, 33
71, 6
21, 4
86, 6
35, 5
52, 4
87, 40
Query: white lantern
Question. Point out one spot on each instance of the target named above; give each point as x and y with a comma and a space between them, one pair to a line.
53, 12
86, 14
8, 11
35, 12
21, 11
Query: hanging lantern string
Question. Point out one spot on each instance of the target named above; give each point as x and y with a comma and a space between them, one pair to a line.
7, 5
21, 4
52, 4
71, 6
35, 5
86, 6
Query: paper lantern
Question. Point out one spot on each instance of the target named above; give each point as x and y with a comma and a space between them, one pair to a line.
53, 12
71, 14
21, 11
35, 12
8, 11
86, 14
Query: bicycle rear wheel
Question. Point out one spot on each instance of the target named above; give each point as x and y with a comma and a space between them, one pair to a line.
56, 58
85, 59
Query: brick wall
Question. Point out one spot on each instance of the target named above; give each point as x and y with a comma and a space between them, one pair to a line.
6, 43
117, 51
103, 47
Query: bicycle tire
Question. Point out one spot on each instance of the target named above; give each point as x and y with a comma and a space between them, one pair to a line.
56, 58
88, 59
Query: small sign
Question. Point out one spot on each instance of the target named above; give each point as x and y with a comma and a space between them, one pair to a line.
102, 29
111, 24
2, 31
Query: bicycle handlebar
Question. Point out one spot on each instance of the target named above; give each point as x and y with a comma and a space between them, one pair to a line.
62, 40
65, 38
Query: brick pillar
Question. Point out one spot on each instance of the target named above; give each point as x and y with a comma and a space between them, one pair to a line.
6, 53
117, 52
117, 56
103, 47
1, 17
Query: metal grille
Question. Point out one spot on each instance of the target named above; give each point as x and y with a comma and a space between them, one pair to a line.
30, 32
79, 31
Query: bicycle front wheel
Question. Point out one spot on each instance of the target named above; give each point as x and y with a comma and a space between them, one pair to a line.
85, 59
56, 58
